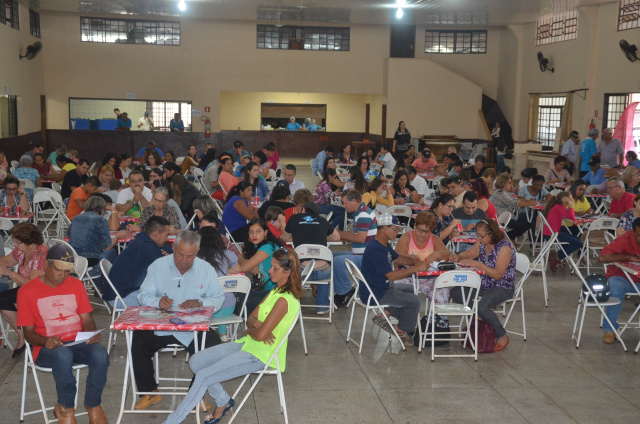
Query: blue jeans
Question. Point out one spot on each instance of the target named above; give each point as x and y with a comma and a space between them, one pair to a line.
62, 358
323, 289
619, 287
573, 244
211, 367
341, 280
129, 300
337, 219
499, 162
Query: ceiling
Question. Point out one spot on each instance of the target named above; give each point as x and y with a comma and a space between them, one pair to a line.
420, 12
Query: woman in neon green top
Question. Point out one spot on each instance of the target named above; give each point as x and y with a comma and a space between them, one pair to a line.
267, 326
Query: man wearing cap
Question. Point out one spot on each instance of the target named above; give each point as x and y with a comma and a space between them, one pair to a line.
145, 122
587, 150
293, 125
309, 227
425, 163
377, 269
151, 145
611, 150
124, 123
181, 281
238, 151
289, 175
52, 309
596, 175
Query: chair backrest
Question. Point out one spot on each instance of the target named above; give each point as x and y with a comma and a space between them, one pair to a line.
604, 224
237, 284
56, 187
555, 192
80, 267
105, 267
328, 216
386, 173
306, 272
399, 210
522, 263
191, 221
458, 279
609, 237
93, 169
42, 196
52, 242
314, 251
24, 183
179, 159
5, 224
197, 172
15, 163
504, 219
375, 167
272, 174
358, 278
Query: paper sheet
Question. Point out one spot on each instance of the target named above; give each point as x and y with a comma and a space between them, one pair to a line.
82, 337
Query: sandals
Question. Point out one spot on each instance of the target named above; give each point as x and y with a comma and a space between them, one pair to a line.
382, 323
500, 346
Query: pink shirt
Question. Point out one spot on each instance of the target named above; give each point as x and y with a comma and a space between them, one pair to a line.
424, 166
622, 205
556, 214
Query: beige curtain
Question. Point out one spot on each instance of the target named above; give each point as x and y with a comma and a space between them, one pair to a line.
534, 102
566, 123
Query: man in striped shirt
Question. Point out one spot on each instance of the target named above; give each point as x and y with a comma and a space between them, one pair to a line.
364, 230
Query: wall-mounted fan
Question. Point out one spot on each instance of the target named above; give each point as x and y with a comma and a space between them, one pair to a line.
544, 63
629, 50
32, 50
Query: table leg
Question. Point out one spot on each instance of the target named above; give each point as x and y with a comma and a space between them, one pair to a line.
127, 367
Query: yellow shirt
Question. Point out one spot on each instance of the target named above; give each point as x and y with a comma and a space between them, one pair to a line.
373, 197
68, 167
579, 206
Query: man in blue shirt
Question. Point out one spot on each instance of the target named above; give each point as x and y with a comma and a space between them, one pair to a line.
318, 162
293, 125
178, 281
124, 123
588, 149
176, 124
377, 269
238, 152
632, 159
151, 145
130, 268
597, 175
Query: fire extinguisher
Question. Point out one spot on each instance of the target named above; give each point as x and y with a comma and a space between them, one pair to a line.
591, 126
207, 129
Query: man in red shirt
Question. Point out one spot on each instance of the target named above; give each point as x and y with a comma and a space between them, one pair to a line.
425, 163
621, 200
625, 248
52, 309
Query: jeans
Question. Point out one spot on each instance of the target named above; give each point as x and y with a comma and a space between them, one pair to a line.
211, 367
491, 298
573, 244
499, 162
403, 304
337, 219
619, 287
341, 280
129, 300
62, 358
323, 289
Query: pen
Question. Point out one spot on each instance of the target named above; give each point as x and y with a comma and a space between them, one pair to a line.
167, 296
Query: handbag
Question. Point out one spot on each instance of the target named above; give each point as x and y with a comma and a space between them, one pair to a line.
442, 326
257, 282
486, 337
446, 266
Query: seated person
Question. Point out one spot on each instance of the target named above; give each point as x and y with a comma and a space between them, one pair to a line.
345, 156
560, 207
280, 197
256, 253
632, 159
41, 165
13, 195
80, 195
625, 247
224, 176
427, 247
133, 199
323, 197
558, 173
630, 176
267, 327
24, 171
526, 176
197, 286
621, 200
596, 176
480, 189
299, 199
581, 205
184, 194
425, 163
415, 180
74, 178
170, 170
497, 258
456, 168
238, 151
214, 251
156, 184
115, 187
238, 210
455, 187
64, 164
289, 175
39, 301
159, 207
211, 220
130, 267
308, 227
403, 192
446, 226
478, 167
469, 214
386, 158
379, 196
355, 180
505, 202
151, 146
377, 269
535, 191
276, 222
258, 184
626, 220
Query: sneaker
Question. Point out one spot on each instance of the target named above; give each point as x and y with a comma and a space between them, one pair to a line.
609, 337
343, 299
322, 311
224, 338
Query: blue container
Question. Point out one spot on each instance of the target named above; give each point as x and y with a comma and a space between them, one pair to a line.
78, 124
103, 124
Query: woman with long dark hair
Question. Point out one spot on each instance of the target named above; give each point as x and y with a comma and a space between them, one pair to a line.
323, 197
225, 175
252, 176
330, 162
191, 159
238, 209
401, 139
356, 180
403, 191
446, 225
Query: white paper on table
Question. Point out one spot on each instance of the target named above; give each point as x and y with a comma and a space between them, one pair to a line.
82, 337
195, 318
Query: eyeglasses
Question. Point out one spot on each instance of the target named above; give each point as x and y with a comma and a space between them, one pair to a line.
136, 181
481, 236
422, 230
159, 201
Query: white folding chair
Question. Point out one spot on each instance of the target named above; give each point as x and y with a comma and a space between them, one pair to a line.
5, 227
24, 183
317, 176
522, 266
29, 364
237, 284
463, 279
179, 160
47, 216
401, 211
271, 182
387, 174
540, 262
93, 169
319, 253
118, 304
191, 224
372, 305
306, 273
15, 163
277, 371
56, 187
589, 249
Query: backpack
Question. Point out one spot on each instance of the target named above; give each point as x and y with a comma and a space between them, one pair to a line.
442, 326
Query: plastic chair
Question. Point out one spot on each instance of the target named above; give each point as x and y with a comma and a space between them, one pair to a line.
234, 284
601, 224
522, 266
470, 280
319, 253
29, 364
358, 278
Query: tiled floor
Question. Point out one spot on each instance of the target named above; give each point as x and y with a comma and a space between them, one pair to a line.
542, 380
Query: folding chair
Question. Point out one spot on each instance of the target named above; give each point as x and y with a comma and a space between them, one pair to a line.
358, 278
306, 273
118, 304
179, 160
192, 220
319, 253
589, 247
277, 371
56, 187
628, 323
5, 227
522, 266
401, 211
467, 314
539, 264
24, 183
387, 174
45, 215
317, 176
234, 284
29, 364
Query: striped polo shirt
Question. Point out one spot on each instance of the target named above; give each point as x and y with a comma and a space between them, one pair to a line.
365, 220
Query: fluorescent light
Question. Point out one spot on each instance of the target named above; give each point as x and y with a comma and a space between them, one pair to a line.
182, 6
401, 3
399, 13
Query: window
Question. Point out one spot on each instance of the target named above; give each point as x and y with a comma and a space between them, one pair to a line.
162, 113
9, 13
458, 42
34, 23
8, 116
121, 31
614, 105
557, 21
628, 14
303, 38
549, 114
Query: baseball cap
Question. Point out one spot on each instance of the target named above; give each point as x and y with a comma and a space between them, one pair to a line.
594, 160
312, 207
386, 220
238, 144
146, 112
593, 131
282, 183
62, 257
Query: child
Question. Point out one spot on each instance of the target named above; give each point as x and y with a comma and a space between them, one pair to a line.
275, 220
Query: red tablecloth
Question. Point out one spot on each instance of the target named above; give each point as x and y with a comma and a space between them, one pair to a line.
24, 215
633, 268
581, 220
438, 272
128, 219
131, 319
596, 196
